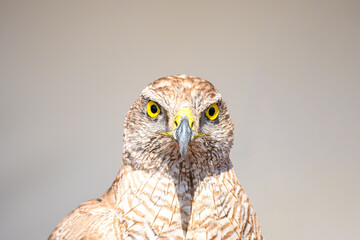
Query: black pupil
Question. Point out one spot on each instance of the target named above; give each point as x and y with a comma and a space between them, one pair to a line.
154, 108
211, 111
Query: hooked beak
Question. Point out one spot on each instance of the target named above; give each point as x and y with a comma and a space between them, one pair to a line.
184, 131
183, 135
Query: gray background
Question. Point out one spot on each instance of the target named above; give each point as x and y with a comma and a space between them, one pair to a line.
288, 70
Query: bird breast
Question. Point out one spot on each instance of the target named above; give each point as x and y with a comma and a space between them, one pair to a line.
175, 204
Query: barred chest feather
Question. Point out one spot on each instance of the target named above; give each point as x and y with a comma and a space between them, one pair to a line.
180, 205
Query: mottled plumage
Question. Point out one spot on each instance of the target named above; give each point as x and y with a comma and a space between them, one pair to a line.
160, 193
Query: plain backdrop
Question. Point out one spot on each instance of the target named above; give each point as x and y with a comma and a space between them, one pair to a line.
288, 70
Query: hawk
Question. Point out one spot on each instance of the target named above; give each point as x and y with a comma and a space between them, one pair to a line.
176, 180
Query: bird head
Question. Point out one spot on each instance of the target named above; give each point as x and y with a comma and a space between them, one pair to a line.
177, 118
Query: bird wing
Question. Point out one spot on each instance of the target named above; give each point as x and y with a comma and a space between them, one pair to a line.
249, 222
91, 220
251, 230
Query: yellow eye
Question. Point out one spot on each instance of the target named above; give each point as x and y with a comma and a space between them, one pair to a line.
212, 112
152, 109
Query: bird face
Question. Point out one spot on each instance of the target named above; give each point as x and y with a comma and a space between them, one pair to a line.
178, 118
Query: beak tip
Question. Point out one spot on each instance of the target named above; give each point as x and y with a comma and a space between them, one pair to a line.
183, 153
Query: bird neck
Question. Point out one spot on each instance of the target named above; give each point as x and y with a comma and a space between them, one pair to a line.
202, 165
181, 182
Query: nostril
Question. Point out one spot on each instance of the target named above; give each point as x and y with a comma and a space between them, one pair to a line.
176, 124
192, 125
